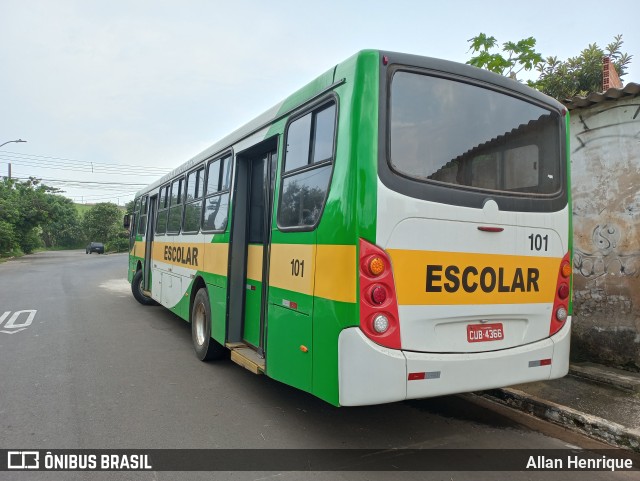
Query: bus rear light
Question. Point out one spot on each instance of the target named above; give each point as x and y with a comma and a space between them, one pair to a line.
563, 291
560, 312
380, 323
379, 319
378, 295
376, 266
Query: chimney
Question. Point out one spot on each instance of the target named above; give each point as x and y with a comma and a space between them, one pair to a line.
610, 77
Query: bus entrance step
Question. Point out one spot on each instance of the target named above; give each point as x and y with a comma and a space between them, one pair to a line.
246, 357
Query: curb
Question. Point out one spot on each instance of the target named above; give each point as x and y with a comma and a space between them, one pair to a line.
587, 424
624, 381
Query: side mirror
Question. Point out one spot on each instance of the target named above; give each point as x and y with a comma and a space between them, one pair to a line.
127, 221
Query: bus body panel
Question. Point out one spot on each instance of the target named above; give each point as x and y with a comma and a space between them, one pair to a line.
449, 274
372, 374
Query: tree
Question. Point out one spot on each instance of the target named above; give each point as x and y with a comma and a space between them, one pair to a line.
129, 206
582, 74
101, 222
7, 237
577, 76
521, 55
62, 228
24, 208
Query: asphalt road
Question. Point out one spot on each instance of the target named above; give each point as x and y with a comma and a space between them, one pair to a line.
92, 368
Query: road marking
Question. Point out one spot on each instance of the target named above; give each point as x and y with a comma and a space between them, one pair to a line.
12, 323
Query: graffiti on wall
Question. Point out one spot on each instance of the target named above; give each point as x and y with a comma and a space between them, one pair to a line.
604, 260
605, 161
606, 190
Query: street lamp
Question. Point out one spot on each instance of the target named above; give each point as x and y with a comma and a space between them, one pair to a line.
8, 142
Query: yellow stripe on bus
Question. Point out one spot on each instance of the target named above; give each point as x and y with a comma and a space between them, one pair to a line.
211, 258
450, 278
179, 254
216, 258
336, 272
292, 267
254, 262
139, 248
328, 271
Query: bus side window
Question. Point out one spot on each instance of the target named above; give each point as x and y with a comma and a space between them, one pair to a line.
310, 142
193, 201
135, 215
142, 223
161, 219
175, 206
216, 202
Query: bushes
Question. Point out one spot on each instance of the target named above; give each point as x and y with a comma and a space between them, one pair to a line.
119, 243
33, 215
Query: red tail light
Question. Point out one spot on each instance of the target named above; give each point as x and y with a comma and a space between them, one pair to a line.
378, 302
560, 310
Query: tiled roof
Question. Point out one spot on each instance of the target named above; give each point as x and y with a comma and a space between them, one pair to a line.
578, 102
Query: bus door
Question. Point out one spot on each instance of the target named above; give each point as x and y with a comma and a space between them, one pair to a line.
250, 246
151, 228
260, 198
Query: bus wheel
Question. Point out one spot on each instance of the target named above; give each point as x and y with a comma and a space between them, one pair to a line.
205, 346
136, 289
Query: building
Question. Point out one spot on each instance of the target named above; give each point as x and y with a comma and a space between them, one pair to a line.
605, 161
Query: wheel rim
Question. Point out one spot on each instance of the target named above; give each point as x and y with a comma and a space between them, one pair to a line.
199, 323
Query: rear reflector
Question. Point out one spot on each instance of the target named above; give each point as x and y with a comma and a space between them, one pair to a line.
290, 304
418, 376
541, 362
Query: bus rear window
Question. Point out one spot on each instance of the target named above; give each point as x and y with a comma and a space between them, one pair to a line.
452, 132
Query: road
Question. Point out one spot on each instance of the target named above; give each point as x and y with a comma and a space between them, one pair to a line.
95, 369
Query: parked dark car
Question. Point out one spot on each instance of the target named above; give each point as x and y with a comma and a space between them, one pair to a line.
95, 247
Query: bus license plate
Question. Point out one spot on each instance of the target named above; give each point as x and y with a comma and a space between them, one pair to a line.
485, 332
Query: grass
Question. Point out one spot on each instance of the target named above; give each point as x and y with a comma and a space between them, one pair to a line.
82, 208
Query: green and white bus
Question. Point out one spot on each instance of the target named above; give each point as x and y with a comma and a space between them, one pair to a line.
399, 228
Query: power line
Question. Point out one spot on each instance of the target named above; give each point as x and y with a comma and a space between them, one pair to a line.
114, 170
78, 168
62, 160
85, 182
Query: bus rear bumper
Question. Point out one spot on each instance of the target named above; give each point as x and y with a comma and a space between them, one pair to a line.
372, 374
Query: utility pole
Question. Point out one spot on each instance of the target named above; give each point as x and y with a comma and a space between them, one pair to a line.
8, 142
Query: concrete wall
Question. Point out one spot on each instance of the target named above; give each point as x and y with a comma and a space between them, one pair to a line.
605, 159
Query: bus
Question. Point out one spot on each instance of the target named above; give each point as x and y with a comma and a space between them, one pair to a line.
399, 228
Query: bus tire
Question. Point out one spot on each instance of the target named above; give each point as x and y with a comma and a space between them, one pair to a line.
136, 289
204, 345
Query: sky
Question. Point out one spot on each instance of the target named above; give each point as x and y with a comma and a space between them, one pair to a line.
112, 94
